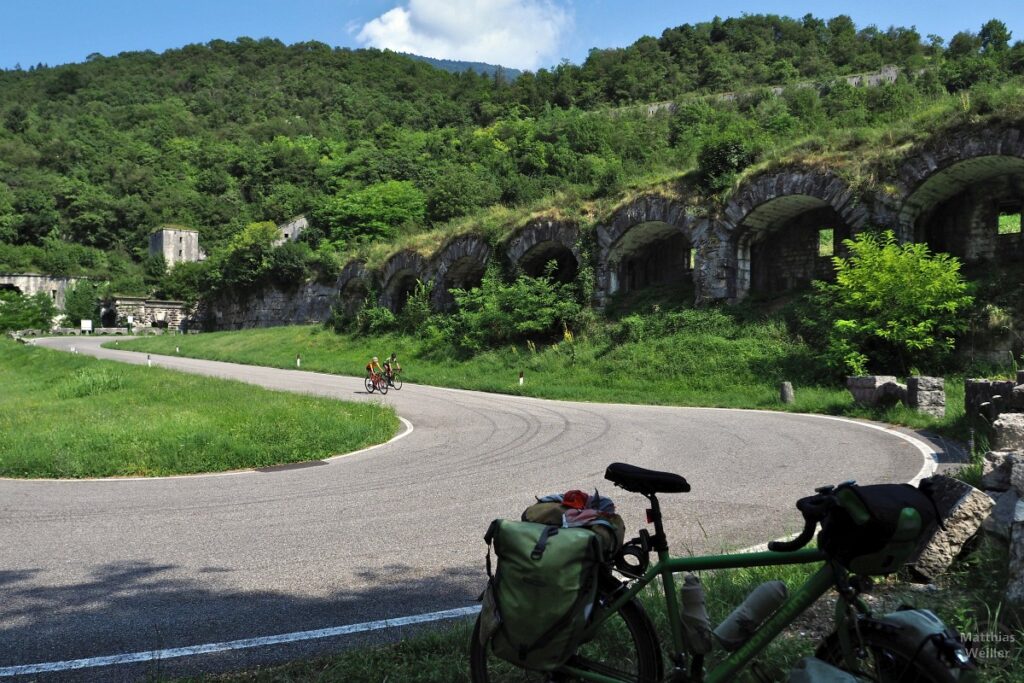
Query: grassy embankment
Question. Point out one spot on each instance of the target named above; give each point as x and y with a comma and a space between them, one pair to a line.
715, 362
967, 599
70, 416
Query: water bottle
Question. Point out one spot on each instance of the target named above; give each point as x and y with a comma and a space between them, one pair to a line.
696, 625
738, 627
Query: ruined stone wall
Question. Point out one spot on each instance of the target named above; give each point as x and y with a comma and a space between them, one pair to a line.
30, 284
310, 303
147, 313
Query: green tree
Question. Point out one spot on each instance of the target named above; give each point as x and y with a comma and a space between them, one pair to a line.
892, 306
18, 312
246, 258
995, 36
184, 282
375, 212
497, 313
82, 302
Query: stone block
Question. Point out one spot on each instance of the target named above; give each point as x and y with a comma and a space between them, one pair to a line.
978, 391
1009, 432
998, 468
865, 387
786, 392
963, 508
927, 395
1015, 584
922, 383
1008, 510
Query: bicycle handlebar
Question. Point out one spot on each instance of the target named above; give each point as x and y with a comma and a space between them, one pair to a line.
814, 510
799, 542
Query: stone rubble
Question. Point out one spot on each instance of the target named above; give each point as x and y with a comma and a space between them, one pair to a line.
1009, 432
963, 508
1008, 510
922, 394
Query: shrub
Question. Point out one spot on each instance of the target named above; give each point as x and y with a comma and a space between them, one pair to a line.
290, 264
18, 312
892, 306
497, 313
720, 160
374, 319
416, 312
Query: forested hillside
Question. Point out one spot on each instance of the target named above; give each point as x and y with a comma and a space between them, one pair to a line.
373, 144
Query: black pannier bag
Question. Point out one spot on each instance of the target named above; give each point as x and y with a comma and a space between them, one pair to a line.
876, 529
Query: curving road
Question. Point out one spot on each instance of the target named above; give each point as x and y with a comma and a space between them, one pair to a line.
101, 568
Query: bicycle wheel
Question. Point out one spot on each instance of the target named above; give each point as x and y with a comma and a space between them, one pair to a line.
368, 383
382, 385
626, 648
883, 657
396, 382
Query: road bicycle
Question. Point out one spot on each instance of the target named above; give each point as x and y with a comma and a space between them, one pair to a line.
621, 644
394, 379
376, 382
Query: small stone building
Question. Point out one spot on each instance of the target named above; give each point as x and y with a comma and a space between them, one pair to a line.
178, 245
290, 231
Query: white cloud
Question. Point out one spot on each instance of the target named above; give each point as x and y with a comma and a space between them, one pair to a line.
523, 34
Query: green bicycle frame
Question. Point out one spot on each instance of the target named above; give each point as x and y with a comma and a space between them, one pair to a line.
666, 567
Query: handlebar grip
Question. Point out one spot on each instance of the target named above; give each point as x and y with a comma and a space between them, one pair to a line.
799, 542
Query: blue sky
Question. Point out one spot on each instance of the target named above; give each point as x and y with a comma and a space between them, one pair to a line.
517, 33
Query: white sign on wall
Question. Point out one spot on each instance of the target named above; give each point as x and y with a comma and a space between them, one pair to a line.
86, 326
131, 319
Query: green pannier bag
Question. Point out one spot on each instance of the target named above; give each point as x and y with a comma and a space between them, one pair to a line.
538, 602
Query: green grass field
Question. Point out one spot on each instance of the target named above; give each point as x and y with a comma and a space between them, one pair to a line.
739, 366
71, 416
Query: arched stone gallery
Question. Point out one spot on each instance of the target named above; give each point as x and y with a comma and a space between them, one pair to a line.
354, 286
960, 193
648, 242
965, 196
399, 277
459, 264
536, 245
784, 229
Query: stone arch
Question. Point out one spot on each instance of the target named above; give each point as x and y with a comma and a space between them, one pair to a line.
539, 242
650, 241
459, 264
776, 222
399, 276
10, 287
954, 192
354, 285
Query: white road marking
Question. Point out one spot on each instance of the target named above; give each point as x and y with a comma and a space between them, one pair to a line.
247, 643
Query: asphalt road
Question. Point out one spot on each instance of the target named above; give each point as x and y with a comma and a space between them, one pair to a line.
101, 568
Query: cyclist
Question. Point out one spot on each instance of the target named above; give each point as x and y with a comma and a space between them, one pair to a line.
373, 368
391, 366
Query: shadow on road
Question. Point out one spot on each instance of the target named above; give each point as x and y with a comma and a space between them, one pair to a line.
136, 607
